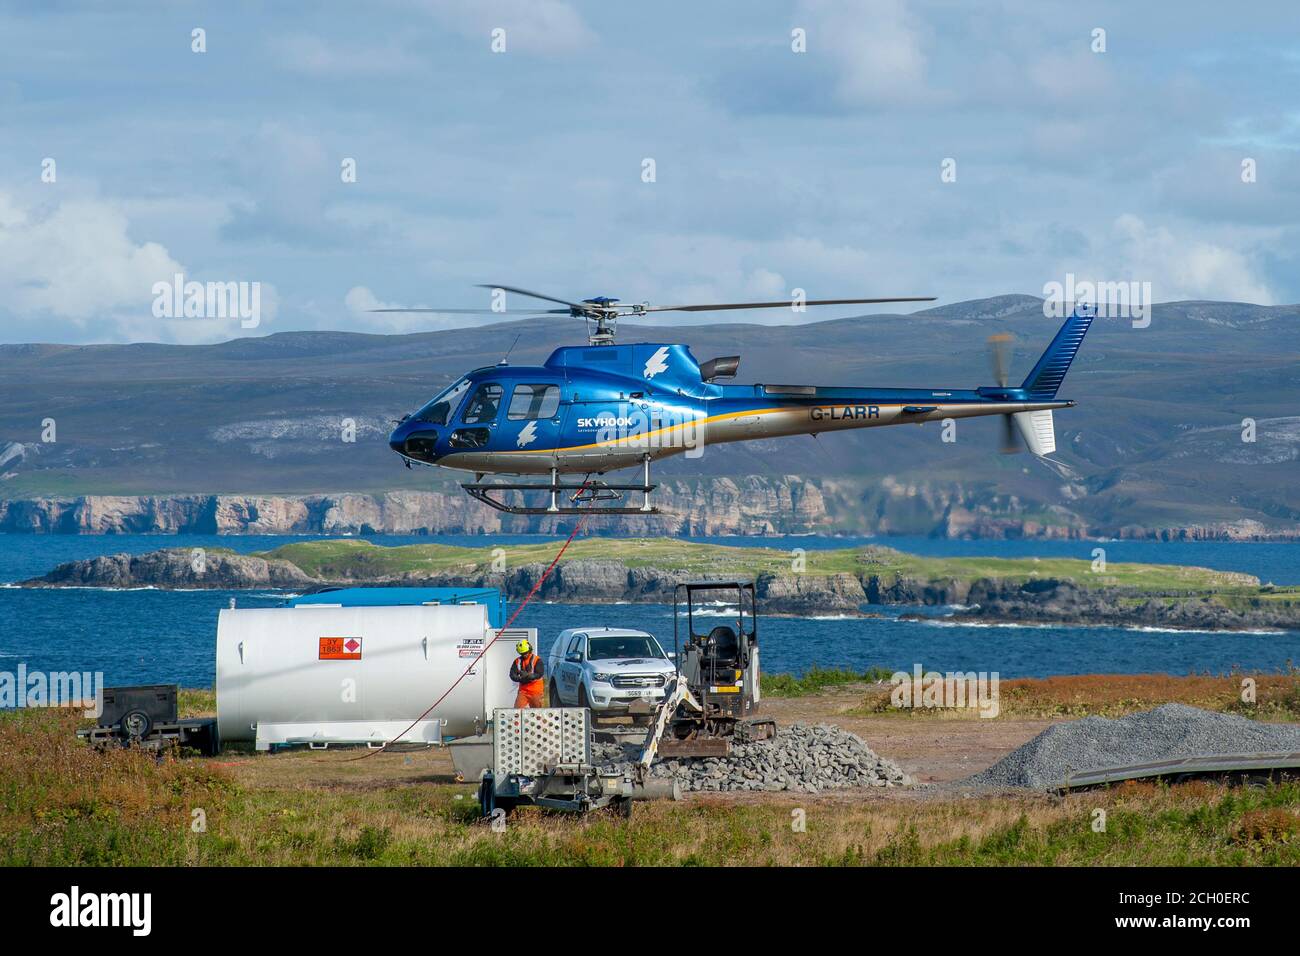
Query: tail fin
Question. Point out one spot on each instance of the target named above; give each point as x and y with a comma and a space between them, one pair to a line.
1047, 375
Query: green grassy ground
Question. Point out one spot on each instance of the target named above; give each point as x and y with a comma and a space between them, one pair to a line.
347, 558
817, 679
64, 804
356, 560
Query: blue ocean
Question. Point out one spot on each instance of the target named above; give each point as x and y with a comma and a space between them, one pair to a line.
151, 636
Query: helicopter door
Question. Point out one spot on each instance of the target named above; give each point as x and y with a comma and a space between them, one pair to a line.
478, 419
533, 417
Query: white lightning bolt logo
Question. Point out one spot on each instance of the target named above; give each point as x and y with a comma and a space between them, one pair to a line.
527, 436
657, 363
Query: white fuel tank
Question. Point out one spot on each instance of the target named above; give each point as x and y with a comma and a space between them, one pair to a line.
321, 674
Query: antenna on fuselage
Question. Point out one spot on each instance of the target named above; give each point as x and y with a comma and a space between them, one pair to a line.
511, 349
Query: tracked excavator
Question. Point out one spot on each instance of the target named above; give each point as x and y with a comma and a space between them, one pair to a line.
714, 699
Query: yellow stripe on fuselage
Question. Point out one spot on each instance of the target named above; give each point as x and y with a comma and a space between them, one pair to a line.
643, 436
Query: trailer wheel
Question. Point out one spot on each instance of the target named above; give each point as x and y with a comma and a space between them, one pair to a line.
137, 725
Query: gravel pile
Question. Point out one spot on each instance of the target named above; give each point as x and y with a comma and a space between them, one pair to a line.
1168, 732
801, 758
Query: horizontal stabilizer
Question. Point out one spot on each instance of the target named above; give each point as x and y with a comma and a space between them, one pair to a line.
1038, 430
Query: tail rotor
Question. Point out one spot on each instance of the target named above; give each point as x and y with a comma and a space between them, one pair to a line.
1000, 350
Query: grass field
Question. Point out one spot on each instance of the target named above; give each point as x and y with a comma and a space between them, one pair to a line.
817, 679
62, 803
355, 560
347, 557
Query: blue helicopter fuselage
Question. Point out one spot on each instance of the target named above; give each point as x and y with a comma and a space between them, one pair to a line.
599, 408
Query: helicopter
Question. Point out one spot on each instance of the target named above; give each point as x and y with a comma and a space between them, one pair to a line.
605, 407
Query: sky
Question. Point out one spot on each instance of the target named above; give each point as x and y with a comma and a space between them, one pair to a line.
922, 148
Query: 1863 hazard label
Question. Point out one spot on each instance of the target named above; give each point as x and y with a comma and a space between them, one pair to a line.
340, 648
470, 648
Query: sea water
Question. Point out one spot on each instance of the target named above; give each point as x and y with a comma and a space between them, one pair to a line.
154, 636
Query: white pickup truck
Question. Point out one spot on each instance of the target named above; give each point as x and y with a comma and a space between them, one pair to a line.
606, 669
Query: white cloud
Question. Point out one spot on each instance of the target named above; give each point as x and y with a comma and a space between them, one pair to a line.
75, 259
875, 45
1077, 77
361, 299
532, 26
1177, 265
315, 56
291, 180
73, 265
766, 284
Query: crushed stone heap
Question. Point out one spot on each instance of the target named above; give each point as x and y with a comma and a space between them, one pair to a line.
801, 758
1166, 733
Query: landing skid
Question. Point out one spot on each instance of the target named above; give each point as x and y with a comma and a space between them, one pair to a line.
584, 498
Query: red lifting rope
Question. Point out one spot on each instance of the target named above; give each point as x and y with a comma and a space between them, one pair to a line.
523, 604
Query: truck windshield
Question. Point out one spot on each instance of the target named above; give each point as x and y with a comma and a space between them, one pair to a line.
628, 645
440, 406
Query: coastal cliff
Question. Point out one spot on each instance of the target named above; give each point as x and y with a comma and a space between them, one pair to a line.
717, 506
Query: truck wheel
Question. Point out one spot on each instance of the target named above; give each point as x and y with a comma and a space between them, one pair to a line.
582, 696
553, 696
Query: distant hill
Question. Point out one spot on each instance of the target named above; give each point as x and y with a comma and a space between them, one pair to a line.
1155, 441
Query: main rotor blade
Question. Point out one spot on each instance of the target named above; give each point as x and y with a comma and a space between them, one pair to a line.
725, 306
537, 295
480, 311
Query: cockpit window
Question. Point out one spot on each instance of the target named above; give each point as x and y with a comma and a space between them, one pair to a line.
439, 409
533, 402
484, 405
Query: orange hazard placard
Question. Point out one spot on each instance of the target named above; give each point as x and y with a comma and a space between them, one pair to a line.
340, 648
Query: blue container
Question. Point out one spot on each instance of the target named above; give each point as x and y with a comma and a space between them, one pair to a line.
395, 597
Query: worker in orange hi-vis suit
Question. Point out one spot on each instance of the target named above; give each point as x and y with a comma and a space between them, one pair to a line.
527, 671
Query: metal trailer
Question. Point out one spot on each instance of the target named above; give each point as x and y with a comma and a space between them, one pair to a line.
541, 756
1247, 767
145, 716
